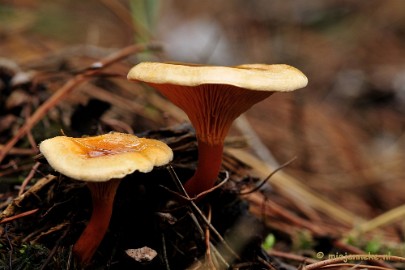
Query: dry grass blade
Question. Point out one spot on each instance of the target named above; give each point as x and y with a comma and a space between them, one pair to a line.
256, 143
294, 189
121, 102
386, 218
261, 206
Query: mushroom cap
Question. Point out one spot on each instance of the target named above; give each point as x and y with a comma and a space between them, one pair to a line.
214, 96
104, 157
261, 77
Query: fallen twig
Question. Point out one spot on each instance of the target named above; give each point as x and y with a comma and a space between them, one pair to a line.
352, 266
24, 214
291, 256
268, 177
187, 198
28, 178
20, 151
11, 208
356, 257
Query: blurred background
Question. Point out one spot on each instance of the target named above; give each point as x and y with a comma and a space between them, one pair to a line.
345, 128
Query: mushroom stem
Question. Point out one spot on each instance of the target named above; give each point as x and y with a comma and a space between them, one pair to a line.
102, 195
209, 165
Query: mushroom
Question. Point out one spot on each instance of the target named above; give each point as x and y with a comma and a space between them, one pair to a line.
102, 161
213, 97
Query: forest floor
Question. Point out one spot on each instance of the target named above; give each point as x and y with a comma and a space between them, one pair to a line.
334, 199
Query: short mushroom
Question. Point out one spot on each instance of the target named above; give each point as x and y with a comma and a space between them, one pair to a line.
102, 161
213, 97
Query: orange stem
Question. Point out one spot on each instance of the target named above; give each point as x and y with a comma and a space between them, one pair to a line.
209, 165
102, 198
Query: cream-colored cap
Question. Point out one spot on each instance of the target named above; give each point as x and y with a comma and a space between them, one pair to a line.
104, 157
261, 77
214, 96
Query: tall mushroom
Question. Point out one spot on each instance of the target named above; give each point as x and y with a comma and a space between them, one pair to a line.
213, 97
102, 161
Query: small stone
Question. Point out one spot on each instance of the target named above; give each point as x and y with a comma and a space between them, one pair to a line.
143, 254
